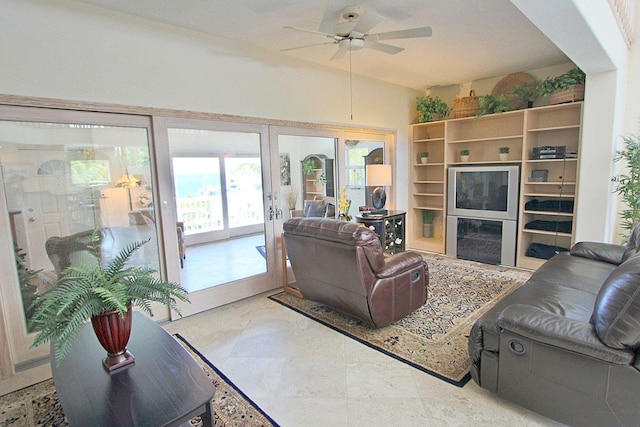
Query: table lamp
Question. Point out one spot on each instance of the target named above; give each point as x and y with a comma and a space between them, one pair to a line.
378, 176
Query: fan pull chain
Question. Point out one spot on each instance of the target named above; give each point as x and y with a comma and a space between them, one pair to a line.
350, 81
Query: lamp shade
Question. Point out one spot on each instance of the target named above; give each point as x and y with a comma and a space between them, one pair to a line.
378, 175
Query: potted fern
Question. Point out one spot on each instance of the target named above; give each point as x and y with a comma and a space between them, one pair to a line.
104, 295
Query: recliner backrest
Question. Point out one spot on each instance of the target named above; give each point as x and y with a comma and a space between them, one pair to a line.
616, 315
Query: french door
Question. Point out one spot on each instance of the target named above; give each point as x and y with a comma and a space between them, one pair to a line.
216, 182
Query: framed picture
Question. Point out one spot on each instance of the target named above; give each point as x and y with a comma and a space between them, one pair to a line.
285, 169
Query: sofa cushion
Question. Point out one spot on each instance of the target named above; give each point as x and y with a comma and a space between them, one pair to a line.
617, 309
574, 272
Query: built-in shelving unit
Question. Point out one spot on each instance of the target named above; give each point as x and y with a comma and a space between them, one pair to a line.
521, 131
557, 125
319, 181
428, 184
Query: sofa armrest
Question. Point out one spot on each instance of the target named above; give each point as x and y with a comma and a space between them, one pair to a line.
399, 263
607, 252
562, 332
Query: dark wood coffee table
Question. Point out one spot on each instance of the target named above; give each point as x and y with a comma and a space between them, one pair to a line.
164, 387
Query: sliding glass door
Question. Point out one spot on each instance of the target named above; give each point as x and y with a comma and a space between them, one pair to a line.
220, 185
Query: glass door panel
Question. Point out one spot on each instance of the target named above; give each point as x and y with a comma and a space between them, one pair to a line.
198, 192
219, 190
60, 181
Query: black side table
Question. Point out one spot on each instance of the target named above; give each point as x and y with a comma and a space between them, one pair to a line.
389, 227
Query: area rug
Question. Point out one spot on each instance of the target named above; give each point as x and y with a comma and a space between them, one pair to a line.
38, 405
433, 338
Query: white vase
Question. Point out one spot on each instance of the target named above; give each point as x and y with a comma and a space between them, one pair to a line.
464, 159
504, 156
424, 160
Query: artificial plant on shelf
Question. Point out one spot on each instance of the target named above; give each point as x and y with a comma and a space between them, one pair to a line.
87, 290
526, 93
431, 108
491, 104
568, 80
428, 216
627, 185
308, 166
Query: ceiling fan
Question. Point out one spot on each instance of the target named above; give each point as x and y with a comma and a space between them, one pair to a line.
353, 33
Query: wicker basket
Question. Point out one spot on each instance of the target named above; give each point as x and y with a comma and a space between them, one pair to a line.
466, 106
570, 94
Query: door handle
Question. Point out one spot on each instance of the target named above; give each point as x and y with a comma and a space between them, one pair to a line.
279, 213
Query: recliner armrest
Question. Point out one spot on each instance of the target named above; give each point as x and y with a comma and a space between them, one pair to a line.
558, 331
399, 263
607, 252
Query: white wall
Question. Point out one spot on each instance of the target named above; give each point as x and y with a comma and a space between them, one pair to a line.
73, 51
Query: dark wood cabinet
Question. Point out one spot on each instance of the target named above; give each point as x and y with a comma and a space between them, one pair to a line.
389, 227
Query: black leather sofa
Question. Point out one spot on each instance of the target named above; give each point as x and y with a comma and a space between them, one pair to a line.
566, 343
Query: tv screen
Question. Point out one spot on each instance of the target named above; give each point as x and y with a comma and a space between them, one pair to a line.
482, 190
90, 172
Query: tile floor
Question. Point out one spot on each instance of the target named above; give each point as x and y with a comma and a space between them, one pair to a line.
304, 374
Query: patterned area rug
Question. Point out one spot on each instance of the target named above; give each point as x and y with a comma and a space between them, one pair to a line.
434, 337
38, 405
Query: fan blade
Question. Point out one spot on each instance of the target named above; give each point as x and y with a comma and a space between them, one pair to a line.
386, 48
340, 53
332, 36
308, 45
367, 21
411, 33
330, 16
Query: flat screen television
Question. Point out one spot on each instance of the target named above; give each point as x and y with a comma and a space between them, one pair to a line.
483, 192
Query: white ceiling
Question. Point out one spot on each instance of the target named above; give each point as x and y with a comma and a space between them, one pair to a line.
472, 39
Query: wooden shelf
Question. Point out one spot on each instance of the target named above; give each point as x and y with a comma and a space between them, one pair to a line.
494, 138
429, 194
429, 208
545, 233
564, 195
429, 164
429, 140
554, 128
571, 159
488, 162
550, 183
428, 182
547, 213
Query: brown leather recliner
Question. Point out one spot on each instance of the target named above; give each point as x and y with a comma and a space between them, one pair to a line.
341, 264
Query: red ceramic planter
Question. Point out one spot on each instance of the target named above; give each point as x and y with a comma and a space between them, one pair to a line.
113, 333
